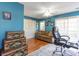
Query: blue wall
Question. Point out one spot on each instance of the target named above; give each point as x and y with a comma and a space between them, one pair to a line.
49, 27
16, 22
53, 18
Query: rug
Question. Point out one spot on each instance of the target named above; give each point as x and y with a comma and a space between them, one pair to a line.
48, 50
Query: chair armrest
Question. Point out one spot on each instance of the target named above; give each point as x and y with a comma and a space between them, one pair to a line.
64, 36
62, 39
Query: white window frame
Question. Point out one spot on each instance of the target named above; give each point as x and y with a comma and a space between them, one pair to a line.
42, 25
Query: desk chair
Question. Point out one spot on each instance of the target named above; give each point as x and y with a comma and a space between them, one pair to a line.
61, 40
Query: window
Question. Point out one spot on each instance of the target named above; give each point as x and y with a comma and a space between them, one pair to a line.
69, 26
42, 25
62, 25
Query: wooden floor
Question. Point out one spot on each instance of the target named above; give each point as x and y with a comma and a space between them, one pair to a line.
34, 44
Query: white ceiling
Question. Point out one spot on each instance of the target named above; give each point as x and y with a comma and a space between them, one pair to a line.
39, 9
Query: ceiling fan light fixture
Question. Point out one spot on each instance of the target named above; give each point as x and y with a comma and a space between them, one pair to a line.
47, 14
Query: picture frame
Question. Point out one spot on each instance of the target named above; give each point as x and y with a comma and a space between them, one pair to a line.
52, 23
47, 23
7, 15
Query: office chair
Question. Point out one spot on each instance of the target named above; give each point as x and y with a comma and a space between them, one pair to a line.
59, 40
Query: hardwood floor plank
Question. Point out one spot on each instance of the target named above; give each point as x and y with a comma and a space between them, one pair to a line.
35, 44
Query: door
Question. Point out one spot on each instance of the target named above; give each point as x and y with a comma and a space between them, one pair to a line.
29, 28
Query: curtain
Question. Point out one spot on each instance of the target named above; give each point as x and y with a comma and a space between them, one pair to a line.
68, 26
